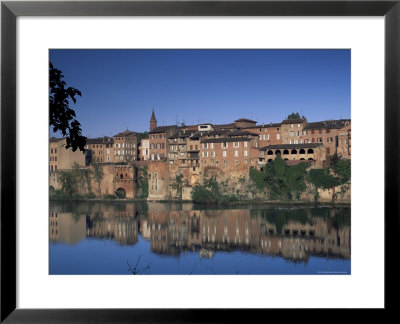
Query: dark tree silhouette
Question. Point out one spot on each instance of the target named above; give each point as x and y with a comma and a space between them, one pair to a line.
62, 117
294, 116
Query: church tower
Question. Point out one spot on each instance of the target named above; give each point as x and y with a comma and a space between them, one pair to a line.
153, 121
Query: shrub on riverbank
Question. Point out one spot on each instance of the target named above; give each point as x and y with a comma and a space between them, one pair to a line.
210, 193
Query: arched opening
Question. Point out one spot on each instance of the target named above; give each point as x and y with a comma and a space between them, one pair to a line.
277, 152
302, 159
286, 159
293, 151
302, 151
310, 159
310, 151
286, 152
121, 176
269, 152
51, 189
120, 192
269, 160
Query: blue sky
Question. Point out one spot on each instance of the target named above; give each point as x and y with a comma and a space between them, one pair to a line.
121, 87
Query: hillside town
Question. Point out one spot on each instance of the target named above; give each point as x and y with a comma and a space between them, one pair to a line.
147, 165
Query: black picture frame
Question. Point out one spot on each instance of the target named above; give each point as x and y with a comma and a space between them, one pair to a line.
10, 10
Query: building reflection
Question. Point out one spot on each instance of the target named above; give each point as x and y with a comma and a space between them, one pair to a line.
289, 233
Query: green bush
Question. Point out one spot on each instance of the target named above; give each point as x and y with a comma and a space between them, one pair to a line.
210, 193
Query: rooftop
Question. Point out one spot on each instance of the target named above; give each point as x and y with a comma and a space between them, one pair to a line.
327, 124
245, 120
125, 133
224, 140
294, 121
162, 129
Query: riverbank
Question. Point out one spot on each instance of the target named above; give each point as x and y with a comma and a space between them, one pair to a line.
234, 203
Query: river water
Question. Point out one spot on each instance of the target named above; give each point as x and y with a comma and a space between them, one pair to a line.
182, 238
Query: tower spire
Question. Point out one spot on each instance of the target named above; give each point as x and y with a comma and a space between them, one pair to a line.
153, 121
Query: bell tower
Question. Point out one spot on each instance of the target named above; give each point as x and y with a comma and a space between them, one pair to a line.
153, 121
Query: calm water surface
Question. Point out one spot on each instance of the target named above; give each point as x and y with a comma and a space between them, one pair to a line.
180, 238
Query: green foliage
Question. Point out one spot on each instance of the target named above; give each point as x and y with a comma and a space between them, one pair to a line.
98, 175
210, 193
258, 178
62, 117
140, 136
281, 181
69, 183
143, 183
178, 185
293, 116
90, 195
321, 179
109, 196
342, 169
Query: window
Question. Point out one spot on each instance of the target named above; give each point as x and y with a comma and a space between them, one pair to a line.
245, 144
55, 150
212, 145
298, 125
202, 154
328, 130
291, 134
224, 162
260, 137
291, 125
236, 153
245, 153
236, 144
278, 136
51, 151
213, 153
236, 162
224, 153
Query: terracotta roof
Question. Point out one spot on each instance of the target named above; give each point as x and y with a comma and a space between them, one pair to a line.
182, 134
225, 126
294, 121
291, 146
241, 133
125, 133
98, 140
245, 120
162, 129
327, 124
222, 140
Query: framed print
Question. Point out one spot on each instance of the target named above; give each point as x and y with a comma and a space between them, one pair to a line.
186, 104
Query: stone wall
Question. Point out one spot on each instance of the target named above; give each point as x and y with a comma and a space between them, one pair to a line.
158, 180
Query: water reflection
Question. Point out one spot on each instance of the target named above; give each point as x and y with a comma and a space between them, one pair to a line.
294, 234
